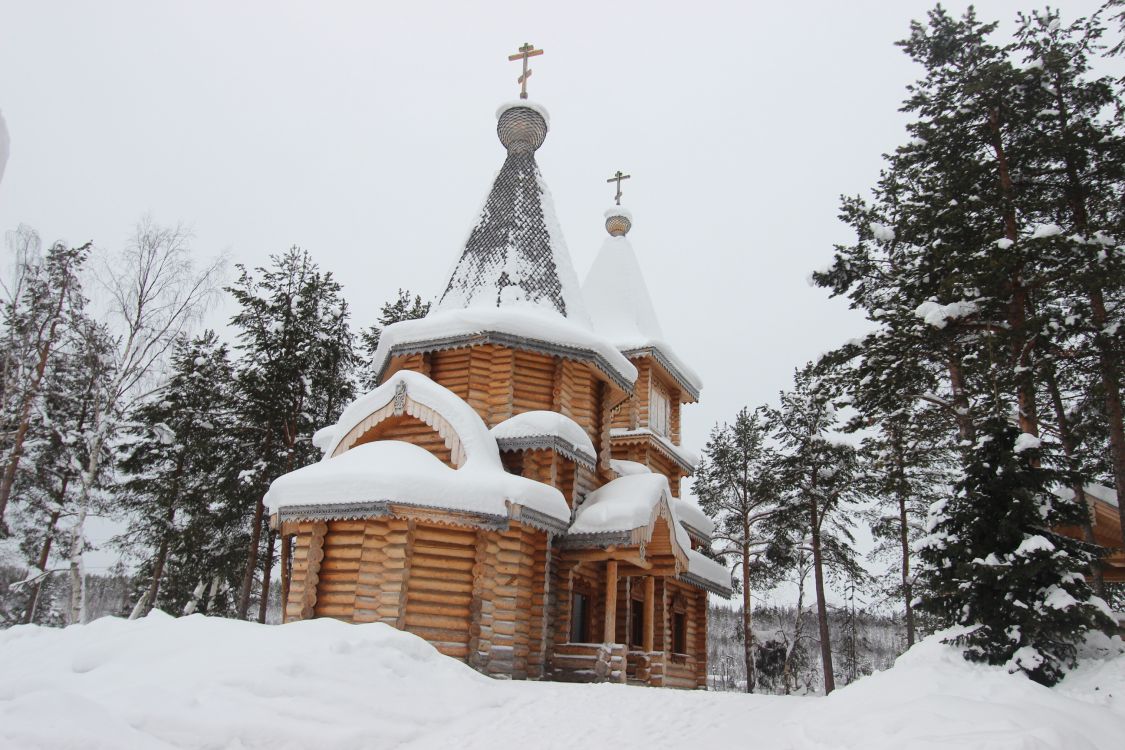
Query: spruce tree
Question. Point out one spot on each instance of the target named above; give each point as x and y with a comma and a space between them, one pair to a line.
179, 473
295, 374
992, 566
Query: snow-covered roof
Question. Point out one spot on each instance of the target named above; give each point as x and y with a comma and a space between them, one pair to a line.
369, 476
357, 480
515, 254
707, 571
478, 446
621, 309
546, 429
634, 501
693, 517
627, 503
625, 468
690, 514
1101, 492
526, 327
1097, 491
686, 458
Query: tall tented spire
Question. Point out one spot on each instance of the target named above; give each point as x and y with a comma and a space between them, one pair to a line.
621, 307
515, 254
615, 290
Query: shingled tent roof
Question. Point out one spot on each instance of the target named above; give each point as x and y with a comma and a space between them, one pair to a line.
515, 254
621, 307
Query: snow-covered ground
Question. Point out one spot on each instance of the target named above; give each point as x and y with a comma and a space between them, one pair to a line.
196, 682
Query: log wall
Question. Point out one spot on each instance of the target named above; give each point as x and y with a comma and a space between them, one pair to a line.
477, 595
410, 430
439, 587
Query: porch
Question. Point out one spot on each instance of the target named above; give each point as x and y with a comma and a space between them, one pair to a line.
623, 619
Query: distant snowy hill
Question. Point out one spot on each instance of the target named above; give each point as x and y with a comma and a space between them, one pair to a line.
196, 682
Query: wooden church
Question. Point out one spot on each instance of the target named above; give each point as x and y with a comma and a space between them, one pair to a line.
511, 490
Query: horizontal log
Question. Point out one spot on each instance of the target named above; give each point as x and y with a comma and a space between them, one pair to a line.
453, 537
439, 566
456, 625
441, 597
434, 584
338, 527
417, 607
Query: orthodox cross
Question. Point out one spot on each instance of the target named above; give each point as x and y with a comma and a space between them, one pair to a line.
618, 178
526, 51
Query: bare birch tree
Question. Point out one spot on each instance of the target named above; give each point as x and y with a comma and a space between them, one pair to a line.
154, 292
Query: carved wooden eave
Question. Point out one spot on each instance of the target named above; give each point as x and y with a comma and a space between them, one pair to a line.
402, 403
696, 534
639, 537
643, 436
511, 341
689, 393
409, 511
559, 445
702, 583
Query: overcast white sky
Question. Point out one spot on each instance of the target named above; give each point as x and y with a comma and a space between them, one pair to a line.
365, 132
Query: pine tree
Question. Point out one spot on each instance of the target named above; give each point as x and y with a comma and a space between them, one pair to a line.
904, 467
46, 293
296, 374
734, 483
47, 488
1078, 176
818, 474
992, 566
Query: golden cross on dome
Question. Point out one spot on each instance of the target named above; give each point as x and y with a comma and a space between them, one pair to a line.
618, 178
526, 51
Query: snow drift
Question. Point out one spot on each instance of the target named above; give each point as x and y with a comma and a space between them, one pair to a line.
197, 682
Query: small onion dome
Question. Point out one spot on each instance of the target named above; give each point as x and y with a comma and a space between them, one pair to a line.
618, 221
522, 126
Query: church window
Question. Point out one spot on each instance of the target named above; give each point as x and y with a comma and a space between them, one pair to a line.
659, 410
579, 615
679, 632
637, 637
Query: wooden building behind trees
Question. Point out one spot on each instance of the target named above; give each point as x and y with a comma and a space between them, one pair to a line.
510, 489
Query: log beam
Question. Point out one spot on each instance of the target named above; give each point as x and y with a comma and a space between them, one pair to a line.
609, 633
650, 607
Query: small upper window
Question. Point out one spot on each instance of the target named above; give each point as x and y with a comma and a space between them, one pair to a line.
659, 410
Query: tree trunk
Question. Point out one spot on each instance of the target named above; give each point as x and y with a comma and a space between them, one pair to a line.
747, 616
41, 564
788, 668
821, 605
267, 568
78, 534
907, 586
14, 456
960, 397
904, 534
1018, 300
251, 561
